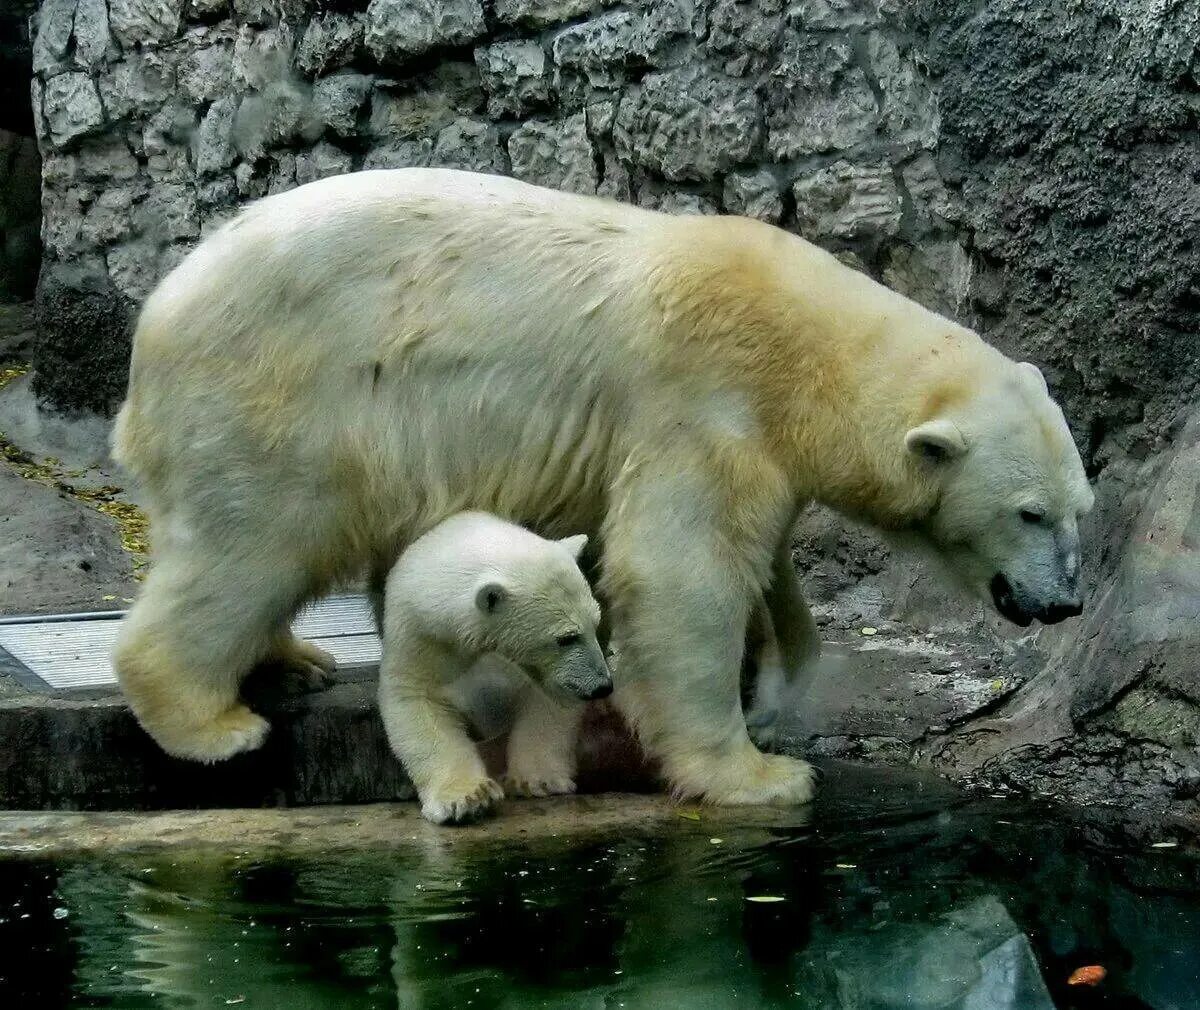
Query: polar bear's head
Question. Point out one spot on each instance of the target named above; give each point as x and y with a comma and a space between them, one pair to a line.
1011, 489
540, 614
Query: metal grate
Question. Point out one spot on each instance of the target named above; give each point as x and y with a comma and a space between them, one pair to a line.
73, 651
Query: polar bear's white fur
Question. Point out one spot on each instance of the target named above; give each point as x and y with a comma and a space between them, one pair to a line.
347, 364
475, 586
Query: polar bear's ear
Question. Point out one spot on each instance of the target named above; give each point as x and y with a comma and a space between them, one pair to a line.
575, 544
490, 597
936, 441
1031, 369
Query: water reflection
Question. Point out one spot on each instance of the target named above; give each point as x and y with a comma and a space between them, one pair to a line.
957, 909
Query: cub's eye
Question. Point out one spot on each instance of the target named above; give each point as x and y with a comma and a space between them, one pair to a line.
1032, 517
566, 641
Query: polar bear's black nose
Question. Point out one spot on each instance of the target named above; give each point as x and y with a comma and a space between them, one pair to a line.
1061, 611
1006, 601
602, 690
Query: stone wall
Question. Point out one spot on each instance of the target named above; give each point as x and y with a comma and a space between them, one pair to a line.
1029, 170
158, 117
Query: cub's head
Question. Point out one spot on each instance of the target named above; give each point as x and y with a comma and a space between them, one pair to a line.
1011, 489
541, 615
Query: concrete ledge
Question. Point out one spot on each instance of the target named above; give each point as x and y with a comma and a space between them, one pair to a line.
85, 751
849, 793
90, 754
383, 825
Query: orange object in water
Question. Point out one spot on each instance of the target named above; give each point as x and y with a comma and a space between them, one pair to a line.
1090, 974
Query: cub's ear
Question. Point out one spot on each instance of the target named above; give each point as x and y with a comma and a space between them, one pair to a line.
575, 544
1029, 368
490, 597
936, 441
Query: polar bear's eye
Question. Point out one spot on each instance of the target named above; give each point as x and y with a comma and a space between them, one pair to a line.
1029, 516
566, 641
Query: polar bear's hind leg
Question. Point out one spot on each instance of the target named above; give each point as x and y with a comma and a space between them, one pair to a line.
206, 615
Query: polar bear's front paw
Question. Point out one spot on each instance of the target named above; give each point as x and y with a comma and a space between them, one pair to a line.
750, 778
776, 780
535, 783
462, 803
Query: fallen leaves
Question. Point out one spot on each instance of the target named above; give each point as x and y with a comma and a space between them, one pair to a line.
1089, 974
9, 373
132, 524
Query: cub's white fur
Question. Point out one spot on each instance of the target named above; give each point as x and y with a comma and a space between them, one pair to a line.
473, 586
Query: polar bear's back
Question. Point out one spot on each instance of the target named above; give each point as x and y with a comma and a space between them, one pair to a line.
338, 240
379, 302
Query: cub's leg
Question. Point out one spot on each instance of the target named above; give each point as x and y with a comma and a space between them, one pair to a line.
427, 732
541, 746
206, 615
680, 620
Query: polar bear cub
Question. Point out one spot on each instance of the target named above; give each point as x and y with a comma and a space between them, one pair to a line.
475, 586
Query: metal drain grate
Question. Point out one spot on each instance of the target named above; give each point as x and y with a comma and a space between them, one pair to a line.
74, 651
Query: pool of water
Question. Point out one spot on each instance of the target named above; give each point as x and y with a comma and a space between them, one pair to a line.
879, 901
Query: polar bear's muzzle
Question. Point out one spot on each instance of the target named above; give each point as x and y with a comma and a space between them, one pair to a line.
1022, 611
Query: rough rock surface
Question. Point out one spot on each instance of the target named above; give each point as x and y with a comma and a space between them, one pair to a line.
1115, 713
1028, 169
56, 554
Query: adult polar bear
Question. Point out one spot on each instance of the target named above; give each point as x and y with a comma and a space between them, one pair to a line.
346, 364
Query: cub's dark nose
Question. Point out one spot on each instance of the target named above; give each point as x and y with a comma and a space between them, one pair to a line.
1061, 611
602, 690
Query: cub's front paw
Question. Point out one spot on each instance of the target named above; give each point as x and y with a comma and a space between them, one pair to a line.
536, 783
462, 802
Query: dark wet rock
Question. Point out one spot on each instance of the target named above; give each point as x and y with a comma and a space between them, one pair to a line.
81, 353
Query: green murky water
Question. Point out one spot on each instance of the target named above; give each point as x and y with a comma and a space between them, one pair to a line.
882, 901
